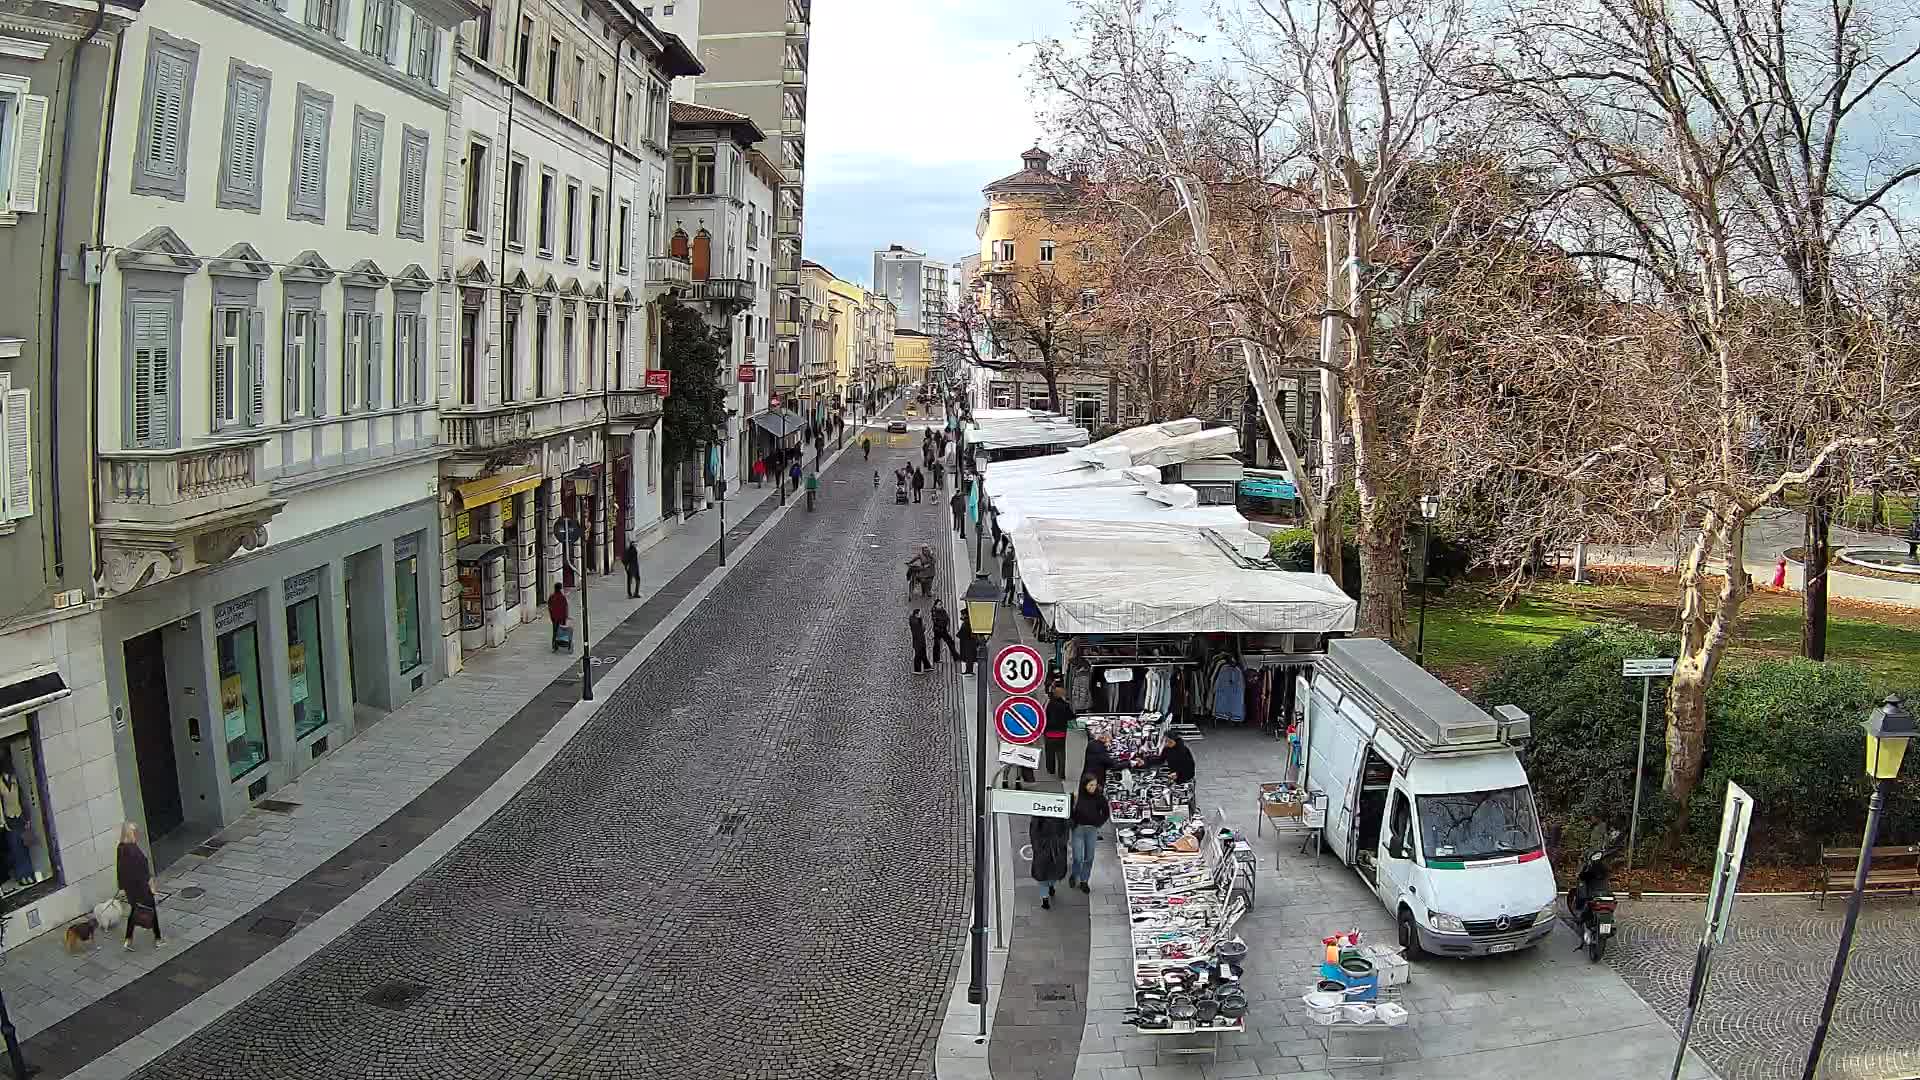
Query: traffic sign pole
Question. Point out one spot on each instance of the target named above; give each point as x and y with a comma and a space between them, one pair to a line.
1646, 671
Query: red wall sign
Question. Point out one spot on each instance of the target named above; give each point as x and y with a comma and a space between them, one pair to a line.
748, 373
661, 381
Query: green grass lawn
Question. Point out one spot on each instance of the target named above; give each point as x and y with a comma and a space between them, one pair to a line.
1467, 634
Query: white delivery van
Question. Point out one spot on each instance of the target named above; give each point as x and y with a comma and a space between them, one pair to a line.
1427, 800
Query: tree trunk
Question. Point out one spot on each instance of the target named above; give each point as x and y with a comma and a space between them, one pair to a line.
1813, 594
1706, 623
1326, 543
1383, 572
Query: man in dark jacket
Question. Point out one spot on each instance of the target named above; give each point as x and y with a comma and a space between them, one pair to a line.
919, 484
1059, 715
1100, 759
917, 630
959, 504
1177, 759
1006, 573
942, 630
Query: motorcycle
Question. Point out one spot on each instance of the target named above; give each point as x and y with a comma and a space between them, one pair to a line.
1590, 900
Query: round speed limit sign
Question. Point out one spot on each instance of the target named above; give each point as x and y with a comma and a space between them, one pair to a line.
1017, 669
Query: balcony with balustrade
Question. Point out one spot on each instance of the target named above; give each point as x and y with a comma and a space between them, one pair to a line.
488, 431
723, 291
162, 513
669, 274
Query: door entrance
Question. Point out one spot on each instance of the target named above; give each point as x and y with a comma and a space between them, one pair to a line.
151, 712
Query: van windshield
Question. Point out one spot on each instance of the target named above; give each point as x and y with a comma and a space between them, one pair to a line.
1466, 825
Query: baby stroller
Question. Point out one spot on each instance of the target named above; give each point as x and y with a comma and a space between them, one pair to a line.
900, 491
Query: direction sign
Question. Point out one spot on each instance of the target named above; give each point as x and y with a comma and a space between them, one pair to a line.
1018, 669
1031, 803
1020, 720
1650, 668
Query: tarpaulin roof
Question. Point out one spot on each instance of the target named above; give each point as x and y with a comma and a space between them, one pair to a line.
1013, 434
1175, 503
1000, 484
778, 424
1175, 442
1100, 577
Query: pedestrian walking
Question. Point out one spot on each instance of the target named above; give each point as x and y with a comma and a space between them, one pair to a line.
943, 631
866, 447
939, 473
1007, 572
793, 472
1048, 835
631, 558
959, 504
134, 875
1059, 716
1090, 812
557, 614
813, 488
919, 484
969, 644
917, 630
759, 471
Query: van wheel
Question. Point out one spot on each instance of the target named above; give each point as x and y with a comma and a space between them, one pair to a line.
1410, 936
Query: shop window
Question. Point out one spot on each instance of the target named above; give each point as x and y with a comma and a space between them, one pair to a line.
26, 847
242, 721
406, 603
306, 667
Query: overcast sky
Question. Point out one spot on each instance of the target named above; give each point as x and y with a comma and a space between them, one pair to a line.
912, 106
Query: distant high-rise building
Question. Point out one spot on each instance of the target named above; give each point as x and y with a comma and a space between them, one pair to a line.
916, 284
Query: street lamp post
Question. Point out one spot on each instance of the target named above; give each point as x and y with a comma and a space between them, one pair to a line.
1429, 509
583, 489
720, 500
1888, 729
982, 604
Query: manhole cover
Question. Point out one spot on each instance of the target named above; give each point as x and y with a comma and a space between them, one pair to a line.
1052, 992
277, 806
207, 849
731, 824
268, 926
394, 995
192, 892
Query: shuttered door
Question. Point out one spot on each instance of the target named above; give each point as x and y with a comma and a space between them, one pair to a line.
17, 418
150, 411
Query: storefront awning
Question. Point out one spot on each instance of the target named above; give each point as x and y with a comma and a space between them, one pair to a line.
25, 691
489, 489
779, 424
479, 551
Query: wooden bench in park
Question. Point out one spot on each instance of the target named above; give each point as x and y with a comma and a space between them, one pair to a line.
1895, 868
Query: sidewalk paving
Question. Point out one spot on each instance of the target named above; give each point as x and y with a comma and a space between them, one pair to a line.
356, 789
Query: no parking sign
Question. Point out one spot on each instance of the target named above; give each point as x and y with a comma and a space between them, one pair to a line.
1020, 720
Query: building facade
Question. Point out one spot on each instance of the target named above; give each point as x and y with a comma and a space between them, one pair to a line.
755, 55
60, 778
267, 412
552, 210
917, 285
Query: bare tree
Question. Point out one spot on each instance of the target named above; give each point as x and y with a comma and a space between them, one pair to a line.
1029, 321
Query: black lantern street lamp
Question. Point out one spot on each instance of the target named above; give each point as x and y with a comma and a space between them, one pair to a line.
1429, 510
1888, 729
983, 601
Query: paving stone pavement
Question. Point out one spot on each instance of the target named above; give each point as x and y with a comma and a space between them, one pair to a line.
1770, 977
750, 862
1546, 1012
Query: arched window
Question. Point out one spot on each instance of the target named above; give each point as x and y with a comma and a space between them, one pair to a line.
702, 255
679, 244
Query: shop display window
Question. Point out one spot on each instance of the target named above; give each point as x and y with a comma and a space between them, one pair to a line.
306, 668
406, 609
242, 720
26, 857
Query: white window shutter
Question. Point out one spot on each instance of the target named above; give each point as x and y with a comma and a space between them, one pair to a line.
413, 184
29, 147
241, 174
418, 347
289, 367
317, 363
353, 337
222, 370
312, 138
16, 420
168, 113
371, 354
366, 159
256, 368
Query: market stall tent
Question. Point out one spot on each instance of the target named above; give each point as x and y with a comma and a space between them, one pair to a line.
1169, 503
1131, 577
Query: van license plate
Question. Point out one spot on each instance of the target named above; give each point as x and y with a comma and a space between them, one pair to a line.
1606, 929
1505, 946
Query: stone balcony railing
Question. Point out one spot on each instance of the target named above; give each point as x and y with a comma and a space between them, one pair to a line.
474, 429
166, 512
486, 431
670, 273
724, 291
641, 408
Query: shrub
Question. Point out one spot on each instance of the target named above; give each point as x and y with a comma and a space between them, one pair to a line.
1292, 549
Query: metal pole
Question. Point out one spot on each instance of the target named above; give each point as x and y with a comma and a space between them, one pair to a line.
1874, 806
980, 512
1697, 989
1420, 648
977, 978
1639, 771
722, 499
21, 1070
586, 630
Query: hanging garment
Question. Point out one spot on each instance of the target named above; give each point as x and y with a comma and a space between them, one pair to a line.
1230, 694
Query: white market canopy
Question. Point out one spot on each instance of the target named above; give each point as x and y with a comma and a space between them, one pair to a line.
1170, 503
1125, 577
1014, 429
1140, 451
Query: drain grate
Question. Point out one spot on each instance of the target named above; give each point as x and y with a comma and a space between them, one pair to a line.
192, 892
731, 824
277, 806
269, 926
207, 849
395, 995
1052, 992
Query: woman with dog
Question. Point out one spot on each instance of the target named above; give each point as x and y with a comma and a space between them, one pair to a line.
136, 881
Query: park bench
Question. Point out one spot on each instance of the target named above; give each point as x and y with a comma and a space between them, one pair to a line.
1895, 867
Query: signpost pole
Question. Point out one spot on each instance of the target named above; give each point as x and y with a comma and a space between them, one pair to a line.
977, 977
720, 493
1735, 817
586, 629
1639, 770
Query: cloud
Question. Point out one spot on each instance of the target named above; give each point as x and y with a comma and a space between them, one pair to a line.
912, 108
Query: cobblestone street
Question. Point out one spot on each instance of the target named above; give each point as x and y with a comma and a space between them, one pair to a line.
751, 862
1769, 978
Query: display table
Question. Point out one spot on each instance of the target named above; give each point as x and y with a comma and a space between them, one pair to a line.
1290, 811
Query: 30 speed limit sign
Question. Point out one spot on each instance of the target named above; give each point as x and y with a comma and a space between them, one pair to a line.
1017, 669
